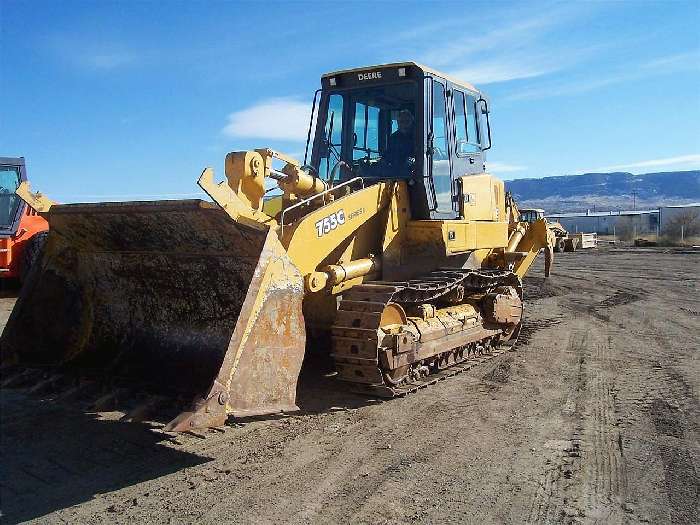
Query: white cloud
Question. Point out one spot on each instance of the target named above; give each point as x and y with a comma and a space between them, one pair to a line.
677, 63
274, 118
685, 161
94, 53
687, 61
512, 45
503, 167
501, 71
515, 35
524, 44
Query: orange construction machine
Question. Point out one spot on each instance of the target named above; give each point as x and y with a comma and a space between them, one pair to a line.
22, 230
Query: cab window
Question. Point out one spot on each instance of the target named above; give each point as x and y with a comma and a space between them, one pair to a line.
332, 133
9, 201
530, 215
467, 120
365, 132
460, 119
360, 133
440, 161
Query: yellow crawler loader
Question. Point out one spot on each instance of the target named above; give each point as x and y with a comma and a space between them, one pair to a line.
389, 247
563, 240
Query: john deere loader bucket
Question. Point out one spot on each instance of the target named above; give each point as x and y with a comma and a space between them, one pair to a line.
173, 297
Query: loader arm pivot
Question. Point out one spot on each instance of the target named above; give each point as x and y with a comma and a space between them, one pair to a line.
537, 237
229, 201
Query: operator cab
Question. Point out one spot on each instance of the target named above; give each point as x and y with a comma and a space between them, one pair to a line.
12, 172
401, 121
531, 215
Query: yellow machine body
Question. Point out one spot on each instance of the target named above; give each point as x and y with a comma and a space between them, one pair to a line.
213, 302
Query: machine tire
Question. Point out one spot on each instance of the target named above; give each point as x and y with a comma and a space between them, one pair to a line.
559, 245
32, 253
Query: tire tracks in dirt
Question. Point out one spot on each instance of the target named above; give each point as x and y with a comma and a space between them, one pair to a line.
584, 476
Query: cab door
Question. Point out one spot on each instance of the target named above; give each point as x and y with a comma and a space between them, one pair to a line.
438, 157
468, 155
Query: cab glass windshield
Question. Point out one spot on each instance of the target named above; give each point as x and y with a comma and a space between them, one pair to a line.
368, 132
531, 215
9, 202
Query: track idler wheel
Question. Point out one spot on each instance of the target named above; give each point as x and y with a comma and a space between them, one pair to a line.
503, 306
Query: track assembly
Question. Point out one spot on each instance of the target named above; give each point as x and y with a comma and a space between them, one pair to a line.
391, 338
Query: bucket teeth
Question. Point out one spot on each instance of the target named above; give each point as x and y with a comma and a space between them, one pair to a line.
142, 411
23, 378
47, 385
83, 388
8, 376
108, 401
203, 413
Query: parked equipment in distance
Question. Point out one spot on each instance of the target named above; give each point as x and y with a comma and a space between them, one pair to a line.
23, 231
565, 242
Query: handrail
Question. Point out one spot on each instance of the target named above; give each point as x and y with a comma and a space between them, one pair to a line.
309, 199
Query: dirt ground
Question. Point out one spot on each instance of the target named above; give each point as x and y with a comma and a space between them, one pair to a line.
593, 419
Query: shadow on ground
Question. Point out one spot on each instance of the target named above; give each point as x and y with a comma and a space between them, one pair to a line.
9, 288
53, 457
541, 288
320, 391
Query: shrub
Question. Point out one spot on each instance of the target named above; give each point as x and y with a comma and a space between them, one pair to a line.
684, 224
624, 227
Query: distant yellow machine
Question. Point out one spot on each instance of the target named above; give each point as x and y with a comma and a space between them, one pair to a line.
390, 249
563, 241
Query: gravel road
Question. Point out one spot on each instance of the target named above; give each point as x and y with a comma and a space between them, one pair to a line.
593, 419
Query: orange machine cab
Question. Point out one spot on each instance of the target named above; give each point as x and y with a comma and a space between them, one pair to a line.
19, 223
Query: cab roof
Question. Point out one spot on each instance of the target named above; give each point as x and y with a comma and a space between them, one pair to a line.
425, 69
11, 161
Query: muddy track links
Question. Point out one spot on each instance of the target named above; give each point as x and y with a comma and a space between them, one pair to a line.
375, 358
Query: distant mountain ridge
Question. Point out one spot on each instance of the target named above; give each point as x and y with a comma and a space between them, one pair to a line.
607, 190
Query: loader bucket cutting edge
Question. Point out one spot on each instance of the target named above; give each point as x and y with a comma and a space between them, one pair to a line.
171, 296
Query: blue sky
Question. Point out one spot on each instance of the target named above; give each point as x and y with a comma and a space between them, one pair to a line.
125, 100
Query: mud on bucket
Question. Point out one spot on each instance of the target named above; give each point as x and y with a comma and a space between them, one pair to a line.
171, 296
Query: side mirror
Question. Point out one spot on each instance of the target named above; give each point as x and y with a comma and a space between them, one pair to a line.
485, 116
